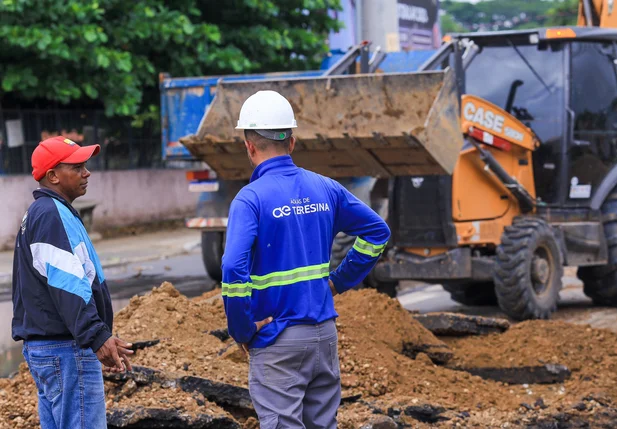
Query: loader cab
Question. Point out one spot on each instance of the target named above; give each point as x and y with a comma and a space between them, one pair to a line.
515, 214
564, 87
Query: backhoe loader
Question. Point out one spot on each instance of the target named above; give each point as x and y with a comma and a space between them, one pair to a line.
498, 158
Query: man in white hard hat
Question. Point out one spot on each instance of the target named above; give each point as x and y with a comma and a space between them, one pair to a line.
277, 287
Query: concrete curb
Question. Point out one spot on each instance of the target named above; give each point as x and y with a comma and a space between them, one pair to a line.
6, 279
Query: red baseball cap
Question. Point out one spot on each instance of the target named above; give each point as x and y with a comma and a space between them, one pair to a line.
53, 151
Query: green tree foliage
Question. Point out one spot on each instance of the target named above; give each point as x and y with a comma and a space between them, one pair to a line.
511, 14
564, 12
450, 25
112, 50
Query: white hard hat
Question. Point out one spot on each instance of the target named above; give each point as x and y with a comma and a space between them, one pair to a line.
266, 110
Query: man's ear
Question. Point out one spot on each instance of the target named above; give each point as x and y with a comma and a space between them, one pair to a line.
52, 177
250, 147
292, 144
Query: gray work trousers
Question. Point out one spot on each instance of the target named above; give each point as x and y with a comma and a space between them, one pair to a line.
296, 382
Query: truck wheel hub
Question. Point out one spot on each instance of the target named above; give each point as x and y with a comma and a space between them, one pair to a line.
540, 271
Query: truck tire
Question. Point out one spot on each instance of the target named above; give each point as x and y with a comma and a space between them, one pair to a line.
528, 270
212, 246
473, 294
340, 246
600, 283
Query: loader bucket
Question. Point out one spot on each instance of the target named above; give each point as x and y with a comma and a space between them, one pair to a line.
379, 125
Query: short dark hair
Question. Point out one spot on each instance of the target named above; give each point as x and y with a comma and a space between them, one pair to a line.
264, 144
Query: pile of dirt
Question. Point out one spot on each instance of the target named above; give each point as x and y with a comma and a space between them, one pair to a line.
536, 342
184, 328
19, 401
373, 330
158, 395
392, 368
591, 355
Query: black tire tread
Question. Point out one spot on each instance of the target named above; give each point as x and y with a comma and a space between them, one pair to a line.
600, 282
472, 293
512, 273
340, 246
212, 244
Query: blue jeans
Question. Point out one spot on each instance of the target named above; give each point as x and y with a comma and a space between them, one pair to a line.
69, 380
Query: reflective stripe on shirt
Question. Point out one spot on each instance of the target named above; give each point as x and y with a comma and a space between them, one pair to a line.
277, 278
238, 290
367, 248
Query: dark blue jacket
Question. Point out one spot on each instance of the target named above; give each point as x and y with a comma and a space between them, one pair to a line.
59, 290
277, 255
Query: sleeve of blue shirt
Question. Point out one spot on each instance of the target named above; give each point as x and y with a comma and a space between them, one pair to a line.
355, 218
69, 287
241, 233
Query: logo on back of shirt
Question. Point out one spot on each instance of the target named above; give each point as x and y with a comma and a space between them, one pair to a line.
23, 223
279, 212
300, 206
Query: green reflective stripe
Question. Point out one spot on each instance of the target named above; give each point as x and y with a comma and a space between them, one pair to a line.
238, 295
367, 248
237, 290
281, 278
366, 245
289, 272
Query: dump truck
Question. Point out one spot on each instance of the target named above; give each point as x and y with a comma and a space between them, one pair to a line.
497, 158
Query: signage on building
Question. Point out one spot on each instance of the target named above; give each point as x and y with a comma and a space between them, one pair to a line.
418, 22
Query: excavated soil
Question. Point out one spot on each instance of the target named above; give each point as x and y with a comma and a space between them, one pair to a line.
18, 401
159, 396
378, 379
183, 327
372, 331
591, 355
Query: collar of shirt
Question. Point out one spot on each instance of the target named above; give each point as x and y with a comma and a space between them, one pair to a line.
45, 192
277, 165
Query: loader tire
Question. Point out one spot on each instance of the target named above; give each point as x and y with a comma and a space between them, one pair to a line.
212, 246
600, 283
528, 270
340, 246
472, 294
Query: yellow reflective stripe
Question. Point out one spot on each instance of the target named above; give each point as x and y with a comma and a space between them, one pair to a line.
282, 278
293, 281
289, 272
238, 295
237, 290
365, 243
369, 249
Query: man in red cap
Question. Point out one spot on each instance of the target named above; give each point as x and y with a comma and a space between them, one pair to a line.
61, 305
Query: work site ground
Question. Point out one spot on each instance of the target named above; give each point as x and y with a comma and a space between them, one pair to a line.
417, 361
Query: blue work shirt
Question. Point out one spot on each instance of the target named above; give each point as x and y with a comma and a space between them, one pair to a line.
277, 254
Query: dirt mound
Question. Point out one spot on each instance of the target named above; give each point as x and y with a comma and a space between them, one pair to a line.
158, 395
591, 355
388, 369
18, 401
373, 330
536, 342
184, 328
